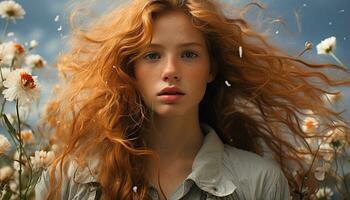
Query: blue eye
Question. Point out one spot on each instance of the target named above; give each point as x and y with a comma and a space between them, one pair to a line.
190, 54
152, 56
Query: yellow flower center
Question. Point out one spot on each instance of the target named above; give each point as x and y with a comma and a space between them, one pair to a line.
11, 12
39, 64
329, 49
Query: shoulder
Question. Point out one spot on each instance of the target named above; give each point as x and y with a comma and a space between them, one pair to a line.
246, 160
77, 182
256, 177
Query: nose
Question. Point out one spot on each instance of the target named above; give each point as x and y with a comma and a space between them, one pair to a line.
171, 71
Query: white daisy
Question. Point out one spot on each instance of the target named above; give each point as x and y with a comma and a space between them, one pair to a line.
12, 53
55, 148
324, 193
4, 71
21, 85
42, 159
332, 98
35, 61
337, 136
326, 46
4, 144
13, 186
320, 171
33, 44
308, 45
326, 147
310, 124
5, 173
326, 154
16, 164
11, 10
14, 196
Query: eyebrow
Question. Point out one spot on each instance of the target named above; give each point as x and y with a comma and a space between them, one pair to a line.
179, 45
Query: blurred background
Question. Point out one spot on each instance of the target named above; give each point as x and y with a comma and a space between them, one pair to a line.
290, 23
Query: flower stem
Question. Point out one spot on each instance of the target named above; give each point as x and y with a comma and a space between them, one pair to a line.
31, 173
336, 59
3, 106
344, 180
300, 54
307, 173
336, 170
20, 151
5, 30
12, 63
2, 76
2, 80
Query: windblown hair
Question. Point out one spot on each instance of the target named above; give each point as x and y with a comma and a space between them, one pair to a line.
98, 111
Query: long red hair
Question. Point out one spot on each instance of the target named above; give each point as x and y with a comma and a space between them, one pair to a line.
98, 111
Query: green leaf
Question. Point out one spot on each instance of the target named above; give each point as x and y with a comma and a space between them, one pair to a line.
9, 126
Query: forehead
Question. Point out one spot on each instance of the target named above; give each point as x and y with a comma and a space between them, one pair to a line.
175, 26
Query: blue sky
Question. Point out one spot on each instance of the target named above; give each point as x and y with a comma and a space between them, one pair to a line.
318, 19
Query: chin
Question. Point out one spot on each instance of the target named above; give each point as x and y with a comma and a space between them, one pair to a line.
170, 111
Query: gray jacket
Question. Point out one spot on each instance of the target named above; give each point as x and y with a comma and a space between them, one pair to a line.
219, 172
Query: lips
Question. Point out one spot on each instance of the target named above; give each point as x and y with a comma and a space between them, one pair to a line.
170, 95
170, 91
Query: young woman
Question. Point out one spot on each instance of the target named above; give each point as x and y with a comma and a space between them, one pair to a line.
159, 102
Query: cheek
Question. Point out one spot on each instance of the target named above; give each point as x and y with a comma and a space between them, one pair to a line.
144, 81
200, 75
199, 82
141, 75
144, 73
138, 71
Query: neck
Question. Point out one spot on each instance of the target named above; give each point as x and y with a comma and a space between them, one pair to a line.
175, 138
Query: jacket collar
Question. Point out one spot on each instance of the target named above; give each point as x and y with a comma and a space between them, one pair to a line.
208, 171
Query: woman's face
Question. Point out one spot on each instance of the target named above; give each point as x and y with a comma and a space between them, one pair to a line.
177, 57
